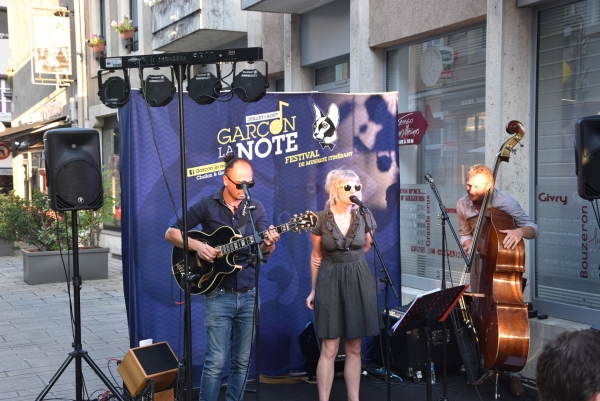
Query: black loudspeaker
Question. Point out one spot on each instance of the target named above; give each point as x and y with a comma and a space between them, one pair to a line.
587, 157
311, 350
156, 362
73, 169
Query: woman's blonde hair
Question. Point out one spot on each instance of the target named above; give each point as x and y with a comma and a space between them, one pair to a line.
334, 179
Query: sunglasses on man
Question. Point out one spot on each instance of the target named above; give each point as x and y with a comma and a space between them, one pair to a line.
238, 185
348, 187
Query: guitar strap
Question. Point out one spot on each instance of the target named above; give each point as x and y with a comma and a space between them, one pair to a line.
243, 219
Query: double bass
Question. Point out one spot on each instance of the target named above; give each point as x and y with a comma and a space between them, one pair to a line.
499, 314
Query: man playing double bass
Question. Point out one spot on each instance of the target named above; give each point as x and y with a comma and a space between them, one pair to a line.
479, 179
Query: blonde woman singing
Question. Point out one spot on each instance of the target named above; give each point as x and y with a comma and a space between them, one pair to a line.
344, 295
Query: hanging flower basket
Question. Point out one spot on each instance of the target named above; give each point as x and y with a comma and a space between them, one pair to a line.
98, 48
128, 34
97, 43
125, 27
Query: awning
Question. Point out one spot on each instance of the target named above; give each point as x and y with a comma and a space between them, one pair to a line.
34, 128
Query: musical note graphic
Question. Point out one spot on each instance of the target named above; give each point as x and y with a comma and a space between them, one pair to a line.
277, 125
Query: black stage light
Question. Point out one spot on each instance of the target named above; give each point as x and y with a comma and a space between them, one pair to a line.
115, 91
158, 90
250, 85
204, 87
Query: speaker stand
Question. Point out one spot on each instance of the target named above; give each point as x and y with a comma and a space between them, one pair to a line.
78, 353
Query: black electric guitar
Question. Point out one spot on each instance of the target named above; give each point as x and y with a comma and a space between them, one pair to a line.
206, 276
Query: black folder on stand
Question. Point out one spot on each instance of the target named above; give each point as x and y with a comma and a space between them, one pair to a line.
434, 306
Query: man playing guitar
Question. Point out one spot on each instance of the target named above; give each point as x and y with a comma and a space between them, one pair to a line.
229, 308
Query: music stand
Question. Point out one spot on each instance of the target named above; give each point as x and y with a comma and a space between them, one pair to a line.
427, 309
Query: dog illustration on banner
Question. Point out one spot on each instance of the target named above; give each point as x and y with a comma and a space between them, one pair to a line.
325, 126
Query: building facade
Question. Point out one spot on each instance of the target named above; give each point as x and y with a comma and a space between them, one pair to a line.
45, 45
467, 66
5, 102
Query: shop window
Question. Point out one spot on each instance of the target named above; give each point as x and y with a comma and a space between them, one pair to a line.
280, 85
134, 46
333, 78
567, 249
5, 97
443, 80
111, 163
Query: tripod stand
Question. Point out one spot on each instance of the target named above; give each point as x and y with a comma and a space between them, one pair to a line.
78, 353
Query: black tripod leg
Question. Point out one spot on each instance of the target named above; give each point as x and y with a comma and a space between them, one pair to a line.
59, 372
102, 377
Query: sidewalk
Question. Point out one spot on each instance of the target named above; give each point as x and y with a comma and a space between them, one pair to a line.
36, 333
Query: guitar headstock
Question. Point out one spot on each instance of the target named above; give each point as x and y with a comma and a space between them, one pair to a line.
303, 222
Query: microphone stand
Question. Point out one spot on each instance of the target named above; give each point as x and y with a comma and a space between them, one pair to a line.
186, 366
254, 261
387, 280
444, 217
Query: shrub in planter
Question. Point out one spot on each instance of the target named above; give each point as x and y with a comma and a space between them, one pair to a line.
33, 222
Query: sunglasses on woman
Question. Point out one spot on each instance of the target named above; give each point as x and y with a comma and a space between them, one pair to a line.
348, 187
238, 185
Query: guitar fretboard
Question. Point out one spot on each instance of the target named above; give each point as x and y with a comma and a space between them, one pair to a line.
247, 241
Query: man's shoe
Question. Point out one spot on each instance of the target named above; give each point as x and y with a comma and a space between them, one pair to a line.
485, 379
516, 389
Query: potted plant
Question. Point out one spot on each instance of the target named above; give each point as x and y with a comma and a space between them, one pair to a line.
50, 234
125, 27
97, 42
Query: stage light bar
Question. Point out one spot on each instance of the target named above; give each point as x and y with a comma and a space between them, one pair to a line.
171, 59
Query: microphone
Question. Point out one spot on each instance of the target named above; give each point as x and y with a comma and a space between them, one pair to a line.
246, 191
354, 199
429, 178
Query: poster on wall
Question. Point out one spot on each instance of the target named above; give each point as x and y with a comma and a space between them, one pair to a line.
292, 141
421, 239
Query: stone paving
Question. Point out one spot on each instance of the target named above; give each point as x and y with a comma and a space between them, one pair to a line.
36, 333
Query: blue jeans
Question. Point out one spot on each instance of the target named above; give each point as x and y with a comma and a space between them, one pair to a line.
227, 316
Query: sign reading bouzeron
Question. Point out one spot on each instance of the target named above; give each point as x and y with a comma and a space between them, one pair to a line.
411, 128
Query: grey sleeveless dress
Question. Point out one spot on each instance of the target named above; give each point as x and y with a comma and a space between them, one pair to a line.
346, 296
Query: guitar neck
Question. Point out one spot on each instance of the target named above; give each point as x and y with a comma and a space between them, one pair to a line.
245, 242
